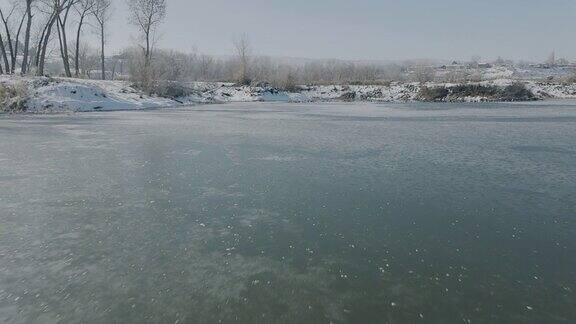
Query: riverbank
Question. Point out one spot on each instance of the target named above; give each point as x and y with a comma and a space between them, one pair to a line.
43, 95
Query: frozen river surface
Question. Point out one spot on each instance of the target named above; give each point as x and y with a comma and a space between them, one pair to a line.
286, 213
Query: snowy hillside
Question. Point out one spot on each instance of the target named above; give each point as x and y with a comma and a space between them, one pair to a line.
64, 94
49, 95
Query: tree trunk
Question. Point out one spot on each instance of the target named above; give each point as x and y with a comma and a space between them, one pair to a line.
4, 55
113, 73
148, 63
77, 56
8, 41
102, 57
44, 47
147, 55
64, 40
27, 37
16, 44
38, 50
63, 47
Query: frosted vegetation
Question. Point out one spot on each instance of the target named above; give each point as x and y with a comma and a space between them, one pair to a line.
49, 64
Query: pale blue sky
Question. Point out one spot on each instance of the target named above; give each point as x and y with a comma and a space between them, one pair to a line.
369, 29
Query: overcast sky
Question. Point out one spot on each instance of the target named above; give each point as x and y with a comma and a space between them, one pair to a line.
368, 29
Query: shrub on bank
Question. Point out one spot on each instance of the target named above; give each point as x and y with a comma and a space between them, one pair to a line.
13, 97
433, 93
164, 89
172, 90
571, 79
474, 90
514, 92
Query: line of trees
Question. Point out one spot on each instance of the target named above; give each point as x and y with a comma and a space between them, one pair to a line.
244, 68
33, 33
40, 37
32, 30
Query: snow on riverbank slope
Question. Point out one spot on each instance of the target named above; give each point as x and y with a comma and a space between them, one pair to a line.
66, 94
59, 95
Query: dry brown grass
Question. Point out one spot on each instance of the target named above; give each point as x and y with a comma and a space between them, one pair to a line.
13, 97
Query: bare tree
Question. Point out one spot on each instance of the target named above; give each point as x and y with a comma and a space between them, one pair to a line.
54, 9
62, 35
206, 62
2, 44
17, 42
101, 12
89, 59
83, 8
39, 39
147, 15
27, 36
62, 19
11, 38
243, 53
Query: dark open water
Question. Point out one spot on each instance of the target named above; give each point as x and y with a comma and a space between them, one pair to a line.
274, 213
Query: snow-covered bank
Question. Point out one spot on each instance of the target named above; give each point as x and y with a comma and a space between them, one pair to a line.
38, 94
61, 95
402, 92
394, 92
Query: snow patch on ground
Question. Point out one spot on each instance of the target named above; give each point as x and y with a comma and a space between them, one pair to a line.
89, 95
552, 91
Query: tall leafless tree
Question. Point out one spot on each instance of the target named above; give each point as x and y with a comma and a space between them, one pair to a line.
17, 42
83, 8
26, 53
40, 39
206, 63
12, 36
3, 52
147, 15
101, 13
61, 21
243, 53
54, 9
